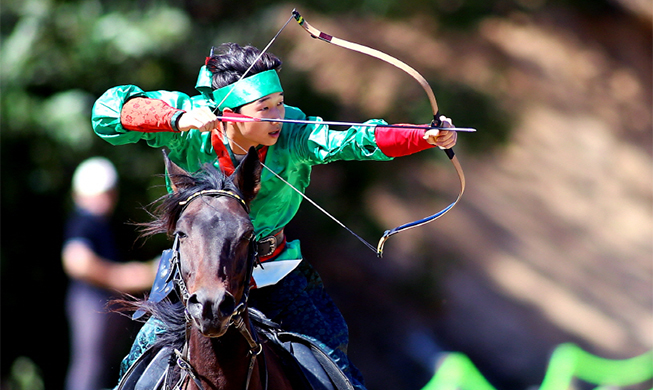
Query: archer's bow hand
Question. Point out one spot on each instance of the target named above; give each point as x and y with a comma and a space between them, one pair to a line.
202, 119
442, 138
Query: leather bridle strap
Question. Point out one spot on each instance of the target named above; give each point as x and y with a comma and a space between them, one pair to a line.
187, 368
230, 194
256, 348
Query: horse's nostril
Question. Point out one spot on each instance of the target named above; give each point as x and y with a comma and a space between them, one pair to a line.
196, 306
209, 306
228, 305
193, 300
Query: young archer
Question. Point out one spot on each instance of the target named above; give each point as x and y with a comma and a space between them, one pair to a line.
289, 291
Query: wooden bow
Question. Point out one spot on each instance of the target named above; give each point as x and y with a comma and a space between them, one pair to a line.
315, 33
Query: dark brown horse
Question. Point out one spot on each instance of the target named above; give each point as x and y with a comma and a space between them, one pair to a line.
214, 254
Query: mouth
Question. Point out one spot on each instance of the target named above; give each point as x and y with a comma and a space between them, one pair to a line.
275, 133
213, 329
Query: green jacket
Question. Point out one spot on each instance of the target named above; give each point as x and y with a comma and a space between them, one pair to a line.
298, 148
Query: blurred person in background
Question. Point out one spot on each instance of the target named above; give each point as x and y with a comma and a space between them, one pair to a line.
92, 262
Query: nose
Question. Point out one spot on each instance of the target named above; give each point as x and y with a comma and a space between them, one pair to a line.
208, 306
277, 113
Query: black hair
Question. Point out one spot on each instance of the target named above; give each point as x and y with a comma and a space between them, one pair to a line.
229, 62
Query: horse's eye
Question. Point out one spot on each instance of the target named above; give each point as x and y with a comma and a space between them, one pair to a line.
180, 234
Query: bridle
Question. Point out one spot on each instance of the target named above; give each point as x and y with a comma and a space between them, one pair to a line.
236, 317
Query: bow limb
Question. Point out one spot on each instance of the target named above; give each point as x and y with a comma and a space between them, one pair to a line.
424, 221
315, 33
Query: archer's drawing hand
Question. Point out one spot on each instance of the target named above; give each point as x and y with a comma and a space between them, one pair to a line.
202, 119
442, 138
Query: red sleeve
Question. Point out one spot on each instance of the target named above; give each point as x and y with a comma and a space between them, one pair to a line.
397, 142
148, 115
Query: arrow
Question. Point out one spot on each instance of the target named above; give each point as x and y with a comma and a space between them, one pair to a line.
234, 117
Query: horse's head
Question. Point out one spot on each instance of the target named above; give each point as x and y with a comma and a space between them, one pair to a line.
214, 240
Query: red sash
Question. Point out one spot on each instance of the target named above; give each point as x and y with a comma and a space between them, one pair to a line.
224, 159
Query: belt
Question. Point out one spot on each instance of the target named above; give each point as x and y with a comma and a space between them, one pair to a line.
271, 246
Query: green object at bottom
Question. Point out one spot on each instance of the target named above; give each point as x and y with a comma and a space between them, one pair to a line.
568, 361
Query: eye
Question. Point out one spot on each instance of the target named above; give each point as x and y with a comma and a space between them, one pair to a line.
249, 236
181, 234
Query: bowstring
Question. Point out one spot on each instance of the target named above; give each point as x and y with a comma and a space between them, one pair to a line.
255, 61
224, 134
311, 201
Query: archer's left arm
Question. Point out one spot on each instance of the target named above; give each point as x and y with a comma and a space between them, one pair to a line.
442, 138
397, 141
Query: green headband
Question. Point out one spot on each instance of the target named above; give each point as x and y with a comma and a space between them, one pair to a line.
244, 91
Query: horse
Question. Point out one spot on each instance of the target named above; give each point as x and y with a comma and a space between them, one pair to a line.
215, 344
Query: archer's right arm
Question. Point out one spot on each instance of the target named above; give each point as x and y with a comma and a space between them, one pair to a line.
127, 114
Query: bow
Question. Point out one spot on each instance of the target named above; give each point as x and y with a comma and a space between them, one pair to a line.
436, 123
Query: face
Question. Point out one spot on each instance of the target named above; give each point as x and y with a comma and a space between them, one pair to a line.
214, 260
244, 135
101, 204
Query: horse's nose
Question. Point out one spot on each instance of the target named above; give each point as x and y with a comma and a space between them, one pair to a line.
209, 305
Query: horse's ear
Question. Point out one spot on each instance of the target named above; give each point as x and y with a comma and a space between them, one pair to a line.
247, 176
177, 177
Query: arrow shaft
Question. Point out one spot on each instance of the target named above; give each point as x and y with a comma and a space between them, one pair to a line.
243, 118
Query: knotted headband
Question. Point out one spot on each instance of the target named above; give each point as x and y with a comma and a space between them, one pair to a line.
241, 92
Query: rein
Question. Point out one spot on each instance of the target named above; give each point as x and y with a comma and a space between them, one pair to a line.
236, 317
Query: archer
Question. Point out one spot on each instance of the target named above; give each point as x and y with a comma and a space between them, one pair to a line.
287, 289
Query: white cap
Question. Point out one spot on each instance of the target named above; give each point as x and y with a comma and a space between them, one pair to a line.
94, 176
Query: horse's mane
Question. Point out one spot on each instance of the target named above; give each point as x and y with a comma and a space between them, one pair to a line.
168, 210
170, 314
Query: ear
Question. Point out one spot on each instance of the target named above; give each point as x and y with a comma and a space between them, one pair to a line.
248, 175
177, 177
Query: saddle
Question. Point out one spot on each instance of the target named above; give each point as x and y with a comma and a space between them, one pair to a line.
317, 367
157, 369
